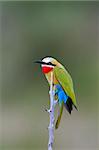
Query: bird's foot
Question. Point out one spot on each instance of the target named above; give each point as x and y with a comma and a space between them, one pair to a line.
55, 102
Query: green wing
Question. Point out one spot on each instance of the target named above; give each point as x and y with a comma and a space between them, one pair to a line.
65, 81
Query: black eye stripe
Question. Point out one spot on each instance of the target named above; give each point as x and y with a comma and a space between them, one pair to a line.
44, 63
49, 63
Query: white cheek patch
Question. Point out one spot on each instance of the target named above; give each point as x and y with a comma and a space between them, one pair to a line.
50, 66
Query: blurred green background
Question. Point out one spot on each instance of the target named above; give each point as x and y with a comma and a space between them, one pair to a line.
29, 31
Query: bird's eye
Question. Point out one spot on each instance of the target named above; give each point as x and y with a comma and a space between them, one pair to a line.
51, 64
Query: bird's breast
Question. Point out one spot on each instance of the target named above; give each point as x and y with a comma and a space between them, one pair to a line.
48, 76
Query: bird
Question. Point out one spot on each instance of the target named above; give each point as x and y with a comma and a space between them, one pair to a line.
62, 81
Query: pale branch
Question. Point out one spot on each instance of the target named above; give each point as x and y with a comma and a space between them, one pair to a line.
51, 115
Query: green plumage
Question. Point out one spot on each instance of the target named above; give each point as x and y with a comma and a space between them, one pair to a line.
65, 81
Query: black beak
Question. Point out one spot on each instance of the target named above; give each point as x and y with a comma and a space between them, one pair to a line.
38, 61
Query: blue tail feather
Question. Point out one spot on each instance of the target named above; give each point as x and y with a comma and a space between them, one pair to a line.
62, 96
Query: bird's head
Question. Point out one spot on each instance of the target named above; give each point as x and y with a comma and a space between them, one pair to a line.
47, 64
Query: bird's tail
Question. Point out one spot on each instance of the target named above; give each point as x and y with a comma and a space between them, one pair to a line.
59, 117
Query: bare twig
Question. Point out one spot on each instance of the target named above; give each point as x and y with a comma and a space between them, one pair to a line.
51, 113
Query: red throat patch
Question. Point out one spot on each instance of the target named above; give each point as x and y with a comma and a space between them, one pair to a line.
46, 69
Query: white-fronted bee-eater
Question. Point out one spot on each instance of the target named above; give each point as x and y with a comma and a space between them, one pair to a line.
62, 82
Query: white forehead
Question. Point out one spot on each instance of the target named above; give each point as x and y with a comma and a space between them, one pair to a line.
47, 59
